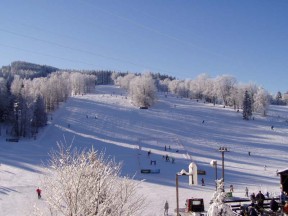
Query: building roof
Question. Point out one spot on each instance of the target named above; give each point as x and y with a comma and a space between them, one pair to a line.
284, 171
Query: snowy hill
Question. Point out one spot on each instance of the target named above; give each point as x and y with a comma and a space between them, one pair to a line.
193, 130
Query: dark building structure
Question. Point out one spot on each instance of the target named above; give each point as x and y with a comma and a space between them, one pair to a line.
284, 179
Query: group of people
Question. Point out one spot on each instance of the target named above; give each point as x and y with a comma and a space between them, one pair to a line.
257, 204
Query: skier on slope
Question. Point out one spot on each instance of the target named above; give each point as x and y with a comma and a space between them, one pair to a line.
38, 192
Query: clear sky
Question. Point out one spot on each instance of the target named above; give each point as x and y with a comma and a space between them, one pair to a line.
183, 38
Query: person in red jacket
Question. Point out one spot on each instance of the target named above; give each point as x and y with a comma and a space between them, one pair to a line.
38, 192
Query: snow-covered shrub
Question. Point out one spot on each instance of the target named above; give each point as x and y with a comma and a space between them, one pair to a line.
218, 207
84, 183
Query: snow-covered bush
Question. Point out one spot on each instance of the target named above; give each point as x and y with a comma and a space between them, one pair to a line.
84, 183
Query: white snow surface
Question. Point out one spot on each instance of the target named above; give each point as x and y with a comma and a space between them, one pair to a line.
127, 133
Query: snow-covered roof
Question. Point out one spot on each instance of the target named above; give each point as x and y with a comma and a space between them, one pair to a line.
283, 171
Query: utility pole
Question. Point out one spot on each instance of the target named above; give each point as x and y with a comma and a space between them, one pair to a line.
223, 150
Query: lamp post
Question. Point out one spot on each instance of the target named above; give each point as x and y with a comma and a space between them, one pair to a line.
213, 163
181, 173
223, 150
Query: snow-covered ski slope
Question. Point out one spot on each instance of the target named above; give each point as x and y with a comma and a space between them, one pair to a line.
108, 121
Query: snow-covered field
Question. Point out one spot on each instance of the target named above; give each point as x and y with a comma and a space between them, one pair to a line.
109, 122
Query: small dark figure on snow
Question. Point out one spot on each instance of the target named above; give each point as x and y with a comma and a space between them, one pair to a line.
249, 153
231, 188
173, 160
38, 192
202, 181
166, 207
272, 127
149, 152
167, 158
203, 122
274, 205
165, 147
246, 191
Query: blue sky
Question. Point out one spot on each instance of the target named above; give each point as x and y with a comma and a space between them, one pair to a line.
184, 38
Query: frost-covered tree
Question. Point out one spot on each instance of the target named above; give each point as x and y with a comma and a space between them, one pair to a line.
142, 90
85, 183
218, 207
163, 85
199, 85
182, 89
124, 82
247, 106
261, 101
224, 86
173, 86
285, 98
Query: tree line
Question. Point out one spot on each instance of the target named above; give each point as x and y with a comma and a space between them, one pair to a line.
26, 102
223, 90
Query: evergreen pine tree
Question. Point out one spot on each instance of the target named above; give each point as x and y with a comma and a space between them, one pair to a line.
40, 116
247, 106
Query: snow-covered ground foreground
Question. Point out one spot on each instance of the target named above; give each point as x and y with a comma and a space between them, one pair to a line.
107, 121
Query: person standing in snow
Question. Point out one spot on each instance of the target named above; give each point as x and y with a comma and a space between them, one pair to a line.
166, 207
38, 192
202, 181
231, 188
246, 191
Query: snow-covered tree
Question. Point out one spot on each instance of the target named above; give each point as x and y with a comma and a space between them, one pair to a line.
163, 85
173, 86
218, 207
124, 82
261, 101
85, 183
285, 98
142, 90
224, 86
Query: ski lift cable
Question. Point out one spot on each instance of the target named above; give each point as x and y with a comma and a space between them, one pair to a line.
78, 50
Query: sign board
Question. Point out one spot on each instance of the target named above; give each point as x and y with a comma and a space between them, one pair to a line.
201, 172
